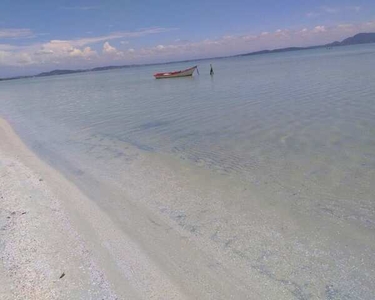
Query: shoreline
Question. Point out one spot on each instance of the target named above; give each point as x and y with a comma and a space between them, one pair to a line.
72, 237
98, 255
86, 242
83, 242
42, 254
168, 235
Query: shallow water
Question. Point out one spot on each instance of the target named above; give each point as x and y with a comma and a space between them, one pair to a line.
295, 131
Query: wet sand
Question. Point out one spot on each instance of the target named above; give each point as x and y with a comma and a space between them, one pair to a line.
177, 237
42, 256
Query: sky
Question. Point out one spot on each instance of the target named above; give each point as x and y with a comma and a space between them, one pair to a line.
42, 35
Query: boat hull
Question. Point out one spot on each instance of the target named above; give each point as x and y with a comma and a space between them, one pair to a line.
184, 73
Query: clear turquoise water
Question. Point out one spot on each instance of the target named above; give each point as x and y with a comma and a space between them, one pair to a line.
298, 127
263, 118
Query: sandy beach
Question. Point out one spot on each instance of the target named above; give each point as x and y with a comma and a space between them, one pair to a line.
168, 240
55, 243
247, 172
42, 255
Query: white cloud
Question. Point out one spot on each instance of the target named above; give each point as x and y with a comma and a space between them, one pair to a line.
112, 51
108, 49
24, 59
57, 46
233, 44
319, 29
116, 35
78, 54
44, 52
282, 33
87, 53
67, 53
7, 47
15, 59
3, 57
15, 33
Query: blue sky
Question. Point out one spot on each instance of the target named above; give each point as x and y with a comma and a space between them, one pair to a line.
43, 35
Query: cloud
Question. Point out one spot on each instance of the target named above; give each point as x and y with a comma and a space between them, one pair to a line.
318, 29
86, 53
234, 44
108, 49
116, 35
15, 33
44, 52
24, 59
79, 53
282, 33
3, 56
112, 51
7, 47
63, 49
15, 59
67, 53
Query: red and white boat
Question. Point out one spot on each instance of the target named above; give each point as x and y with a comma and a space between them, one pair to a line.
182, 73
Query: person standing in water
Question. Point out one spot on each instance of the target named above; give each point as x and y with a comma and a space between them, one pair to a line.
211, 70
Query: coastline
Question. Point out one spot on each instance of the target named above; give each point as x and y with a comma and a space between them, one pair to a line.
50, 229
60, 232
187, 242
42, 255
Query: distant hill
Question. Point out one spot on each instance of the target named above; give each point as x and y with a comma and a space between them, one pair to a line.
280, 50
64, 72
360, 38
59, 72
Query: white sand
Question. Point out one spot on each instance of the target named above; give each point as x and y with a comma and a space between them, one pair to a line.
37, 241
129, 248
48, 227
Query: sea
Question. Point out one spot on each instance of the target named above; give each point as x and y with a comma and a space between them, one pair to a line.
268, 165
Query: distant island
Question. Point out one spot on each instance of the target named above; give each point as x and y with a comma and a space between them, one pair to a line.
360, 38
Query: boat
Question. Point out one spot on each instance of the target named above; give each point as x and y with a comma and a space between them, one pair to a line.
175, 74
